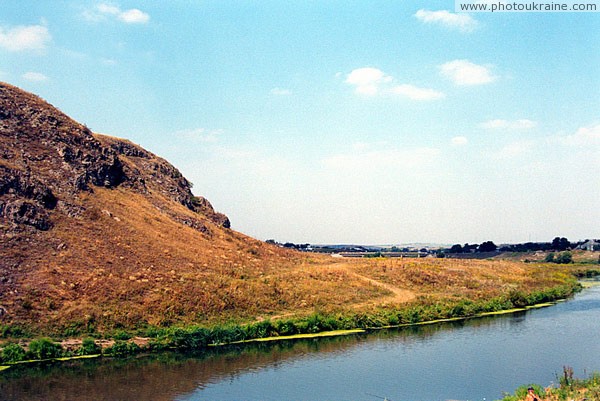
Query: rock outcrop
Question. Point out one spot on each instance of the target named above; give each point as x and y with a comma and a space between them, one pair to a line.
47, 159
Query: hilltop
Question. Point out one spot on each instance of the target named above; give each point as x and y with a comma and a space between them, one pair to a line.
97, 233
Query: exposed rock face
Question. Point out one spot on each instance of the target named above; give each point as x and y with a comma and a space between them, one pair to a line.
47, 159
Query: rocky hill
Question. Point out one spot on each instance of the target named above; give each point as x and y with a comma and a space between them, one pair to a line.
95, 229
47, 159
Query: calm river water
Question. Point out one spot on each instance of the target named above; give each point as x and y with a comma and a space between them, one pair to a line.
473, 360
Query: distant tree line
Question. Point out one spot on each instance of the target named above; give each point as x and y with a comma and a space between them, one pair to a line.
558, 244
487, 246
301, 247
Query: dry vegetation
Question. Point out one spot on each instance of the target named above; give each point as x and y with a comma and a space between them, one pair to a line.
125, 264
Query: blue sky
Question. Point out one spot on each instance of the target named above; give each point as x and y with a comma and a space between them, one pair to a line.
338, 121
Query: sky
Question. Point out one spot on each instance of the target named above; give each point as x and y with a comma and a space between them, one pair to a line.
370, 122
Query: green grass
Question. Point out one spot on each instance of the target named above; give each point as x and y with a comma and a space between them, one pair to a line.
569, 388
420, 312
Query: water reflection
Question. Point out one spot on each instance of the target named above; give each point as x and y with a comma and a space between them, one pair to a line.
169, 375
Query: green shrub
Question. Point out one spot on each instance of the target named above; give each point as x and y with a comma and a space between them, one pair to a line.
260, 330
89, 347
549, 258
564, 258
121, 335
192, 338
412, 315
286, 328
121, 349
13, 353
44, 348
226, 335
521, 393
314, 323
8, 331
152, 332
517, 298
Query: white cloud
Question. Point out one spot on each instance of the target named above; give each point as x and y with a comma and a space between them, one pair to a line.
200, 135
463, 22
416, 93
584, 136
367, 80
131, 16
34, 76
280, 92
459, 140
520, 124
134, 16
464, 73
372, 81
108, 9
22, 38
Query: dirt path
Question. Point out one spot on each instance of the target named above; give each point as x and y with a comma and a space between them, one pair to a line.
400, 295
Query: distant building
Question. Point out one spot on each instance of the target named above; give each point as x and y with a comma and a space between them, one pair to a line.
590, 245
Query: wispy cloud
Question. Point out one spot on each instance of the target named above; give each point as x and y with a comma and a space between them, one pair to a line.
466, 73
462, 22
104, 10
371, 81
24, 38
416, 93
584, 136
34, 76
459, 140
520, 124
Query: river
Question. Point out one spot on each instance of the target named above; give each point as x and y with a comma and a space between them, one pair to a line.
477, 359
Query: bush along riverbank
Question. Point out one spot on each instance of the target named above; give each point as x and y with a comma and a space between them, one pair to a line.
152, 339
568, 388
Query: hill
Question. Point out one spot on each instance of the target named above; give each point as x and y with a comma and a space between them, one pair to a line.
97, 233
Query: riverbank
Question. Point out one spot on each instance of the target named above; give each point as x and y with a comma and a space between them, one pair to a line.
153, 339
568, 388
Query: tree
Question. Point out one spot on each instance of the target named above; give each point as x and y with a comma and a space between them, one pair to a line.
549, 258
560, 244
456, 248
469, 248
487, 246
